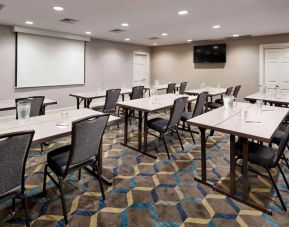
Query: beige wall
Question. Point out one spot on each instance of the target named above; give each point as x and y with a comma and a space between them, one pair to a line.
108, 62
175, 63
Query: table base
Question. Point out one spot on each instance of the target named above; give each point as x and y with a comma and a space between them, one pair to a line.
232, 196
140, 151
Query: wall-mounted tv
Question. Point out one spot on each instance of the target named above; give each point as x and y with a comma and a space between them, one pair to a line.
210, 53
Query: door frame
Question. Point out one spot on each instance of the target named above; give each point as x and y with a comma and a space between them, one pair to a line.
262, 49
148, 65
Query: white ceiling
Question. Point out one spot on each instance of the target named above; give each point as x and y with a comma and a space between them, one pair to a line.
149, 18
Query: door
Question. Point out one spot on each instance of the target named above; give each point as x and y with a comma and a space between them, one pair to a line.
141, 69
277, 68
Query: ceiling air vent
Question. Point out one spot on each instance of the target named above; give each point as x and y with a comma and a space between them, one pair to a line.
117, 30
69, 20
1, 6
154, 38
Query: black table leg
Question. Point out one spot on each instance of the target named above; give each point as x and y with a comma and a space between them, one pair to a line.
245, 169
145, 148
139, 129
232, 164
77, 102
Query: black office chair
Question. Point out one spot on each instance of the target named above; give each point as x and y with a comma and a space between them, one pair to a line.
219, 102
277, 138
171, 88
163, 126
14, 149
137, 92
36, 108
236, 91
111, 99
267, 158
86, 140
199, 109
183, 87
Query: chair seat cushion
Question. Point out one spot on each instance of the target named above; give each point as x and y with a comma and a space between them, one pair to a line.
258, 154
213, 105
158, 124
186, 116
58, 158
277, 137
220, 101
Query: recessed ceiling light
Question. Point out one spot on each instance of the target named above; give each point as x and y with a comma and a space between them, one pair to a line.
164, 34
124, 24
189, 40
29, 22
88, 33
155, 44
216, 26
127, 39
183, 12
58, 8
236, 35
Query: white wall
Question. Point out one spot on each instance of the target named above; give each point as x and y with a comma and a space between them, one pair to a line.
106, 62
175, 63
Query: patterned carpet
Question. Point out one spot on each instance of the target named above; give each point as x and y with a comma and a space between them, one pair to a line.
148, 192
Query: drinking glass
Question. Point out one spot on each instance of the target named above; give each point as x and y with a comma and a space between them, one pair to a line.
228, 102
23, 110
64, 117
244, 114
259, 105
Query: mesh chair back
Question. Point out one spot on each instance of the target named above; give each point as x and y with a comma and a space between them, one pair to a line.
14, 148
137, 92
201, 101
86, 138
171, 88
282, 146
177, 111
183, 87
36, 108
236, 91
111, 99
229, 91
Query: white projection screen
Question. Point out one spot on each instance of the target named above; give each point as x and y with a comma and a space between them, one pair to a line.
49, 61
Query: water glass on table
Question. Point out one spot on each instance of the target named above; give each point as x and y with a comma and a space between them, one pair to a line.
23, 110
244, 113
259, 105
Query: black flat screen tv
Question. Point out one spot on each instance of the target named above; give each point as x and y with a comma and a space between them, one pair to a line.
210, 53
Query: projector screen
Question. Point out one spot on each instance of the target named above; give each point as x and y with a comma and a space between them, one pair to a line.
49, 61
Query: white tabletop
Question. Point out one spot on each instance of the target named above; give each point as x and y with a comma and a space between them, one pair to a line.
278, 98
260, 125
98, 94
213, 91
45, 126
155, 103
10, 104
161, 86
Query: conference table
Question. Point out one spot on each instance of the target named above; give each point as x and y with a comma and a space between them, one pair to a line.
260, 126
213, 91
11, 105
87, 97
276, 99
46, 128
144, 107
